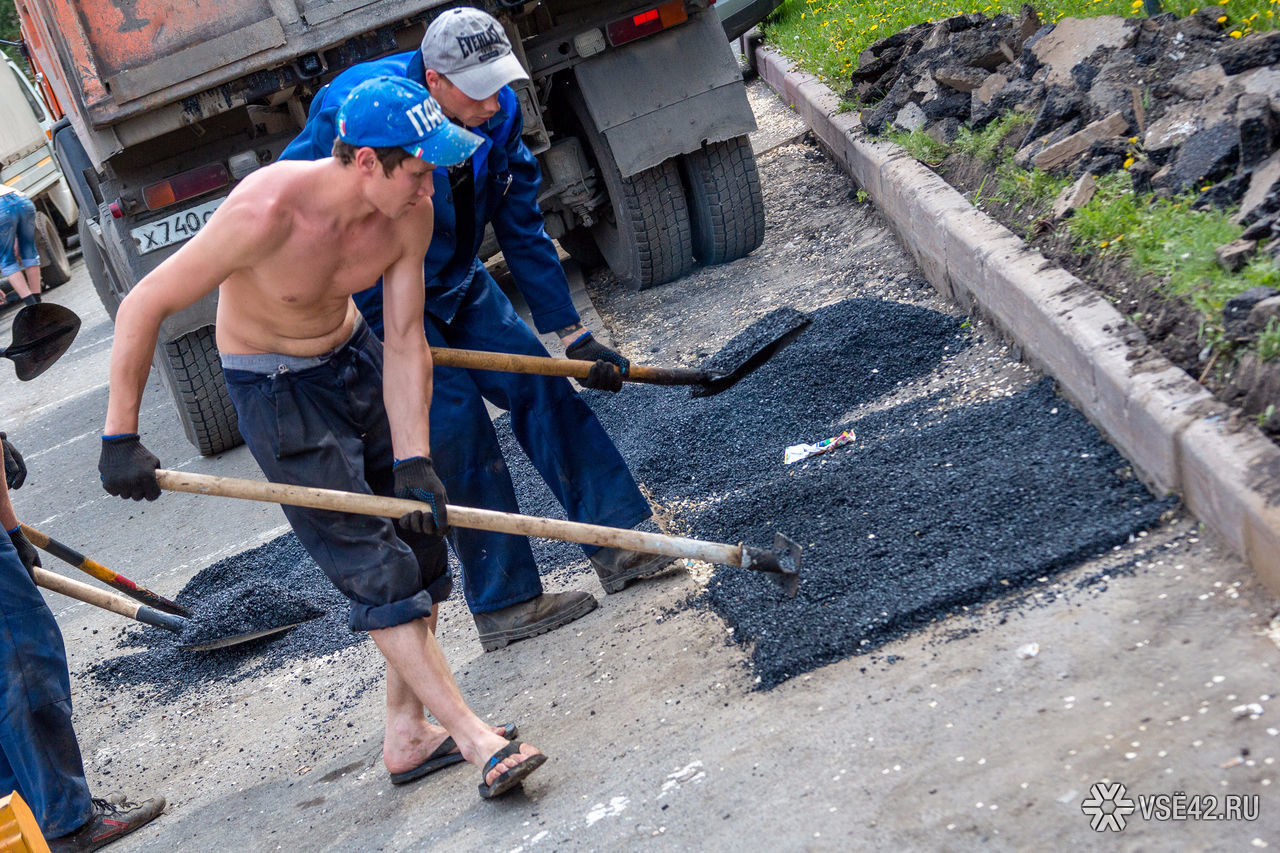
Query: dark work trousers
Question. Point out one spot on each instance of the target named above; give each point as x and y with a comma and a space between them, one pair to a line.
39, 756
557, 429
325, 426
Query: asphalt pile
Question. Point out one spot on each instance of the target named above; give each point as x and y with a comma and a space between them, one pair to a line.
273, 584
937, 505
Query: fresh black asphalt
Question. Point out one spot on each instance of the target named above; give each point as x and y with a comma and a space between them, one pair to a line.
939, 503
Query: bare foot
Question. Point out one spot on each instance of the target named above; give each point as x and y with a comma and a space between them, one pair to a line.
511, 762
410, 748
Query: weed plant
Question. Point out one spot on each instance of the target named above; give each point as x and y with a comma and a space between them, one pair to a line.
825, 36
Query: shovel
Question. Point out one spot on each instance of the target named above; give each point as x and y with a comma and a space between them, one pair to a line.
748, 350
95, 569
782, 562
142, 613
41, 334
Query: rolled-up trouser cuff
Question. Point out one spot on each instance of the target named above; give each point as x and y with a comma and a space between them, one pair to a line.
366, 617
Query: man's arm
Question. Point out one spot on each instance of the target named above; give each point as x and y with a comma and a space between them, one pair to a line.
234, 237
535, 264
406, 375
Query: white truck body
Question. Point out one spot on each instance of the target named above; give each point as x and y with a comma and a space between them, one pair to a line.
27, 163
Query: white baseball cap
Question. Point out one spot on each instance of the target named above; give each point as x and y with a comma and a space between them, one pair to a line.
470, 48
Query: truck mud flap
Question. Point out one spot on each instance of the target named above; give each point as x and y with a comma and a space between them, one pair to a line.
667, 94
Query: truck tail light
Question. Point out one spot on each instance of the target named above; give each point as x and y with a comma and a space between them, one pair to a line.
647, 23
186, 185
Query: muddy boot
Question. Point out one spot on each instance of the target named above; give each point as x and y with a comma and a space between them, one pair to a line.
112, 818
531, 618
617, 568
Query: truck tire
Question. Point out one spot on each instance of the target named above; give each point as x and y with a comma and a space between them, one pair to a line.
55, 267
646, 237
194, 377
725, 204
99, 274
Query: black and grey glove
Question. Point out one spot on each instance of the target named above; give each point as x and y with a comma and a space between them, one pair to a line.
128, 469
27, 552
15, 470
610, 366
416, 480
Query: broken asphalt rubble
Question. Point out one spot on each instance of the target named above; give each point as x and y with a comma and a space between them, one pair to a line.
1194, 108
1178, 103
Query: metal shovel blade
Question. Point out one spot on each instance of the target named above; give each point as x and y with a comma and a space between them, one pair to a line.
238, 639
782, 563
749, 349
41, 334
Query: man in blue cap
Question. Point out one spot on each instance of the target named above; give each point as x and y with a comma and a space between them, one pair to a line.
318, 407
466, 62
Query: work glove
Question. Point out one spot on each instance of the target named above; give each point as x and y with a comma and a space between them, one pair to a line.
27, 552
416, 480
128, 469
609, 368
15, 470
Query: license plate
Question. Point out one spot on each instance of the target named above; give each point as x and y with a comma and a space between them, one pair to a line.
175, 227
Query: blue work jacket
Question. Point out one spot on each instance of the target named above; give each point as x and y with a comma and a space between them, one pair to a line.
506, 188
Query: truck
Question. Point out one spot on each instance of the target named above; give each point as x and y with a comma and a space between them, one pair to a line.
27, 163
636, 111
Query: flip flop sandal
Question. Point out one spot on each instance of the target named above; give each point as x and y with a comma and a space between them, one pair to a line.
512, 777
444, 756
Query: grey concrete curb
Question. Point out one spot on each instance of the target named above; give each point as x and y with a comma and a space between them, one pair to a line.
1178, 437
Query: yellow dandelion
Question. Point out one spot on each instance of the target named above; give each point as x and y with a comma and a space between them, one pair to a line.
1104, 244
1133, 140
1128, 162
1222, 20
1235, 34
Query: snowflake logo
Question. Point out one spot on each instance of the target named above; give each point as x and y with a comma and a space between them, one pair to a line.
1107, 805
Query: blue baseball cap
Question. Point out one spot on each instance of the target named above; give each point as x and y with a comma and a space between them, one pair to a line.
393, 112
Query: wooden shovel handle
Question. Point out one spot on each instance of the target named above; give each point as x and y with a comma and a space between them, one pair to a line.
95, 569
106, 600
461, 516
567, 367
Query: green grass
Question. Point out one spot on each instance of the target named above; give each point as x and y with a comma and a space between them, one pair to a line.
1269, 341
1166, 238
826, 36
984, 144
920, 145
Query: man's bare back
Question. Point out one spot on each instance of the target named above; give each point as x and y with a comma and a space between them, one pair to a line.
301, 262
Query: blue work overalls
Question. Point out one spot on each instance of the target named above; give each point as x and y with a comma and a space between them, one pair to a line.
39, 755
466, 309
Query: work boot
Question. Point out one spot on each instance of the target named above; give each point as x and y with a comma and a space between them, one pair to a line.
112, 818
530, 618
617, 568
33, 299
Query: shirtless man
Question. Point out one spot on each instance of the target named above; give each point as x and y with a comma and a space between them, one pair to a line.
287, 249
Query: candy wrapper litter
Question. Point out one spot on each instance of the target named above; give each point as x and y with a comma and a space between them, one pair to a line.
796, 452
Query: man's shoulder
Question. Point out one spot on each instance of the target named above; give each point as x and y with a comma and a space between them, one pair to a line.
263, 201
395, 65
